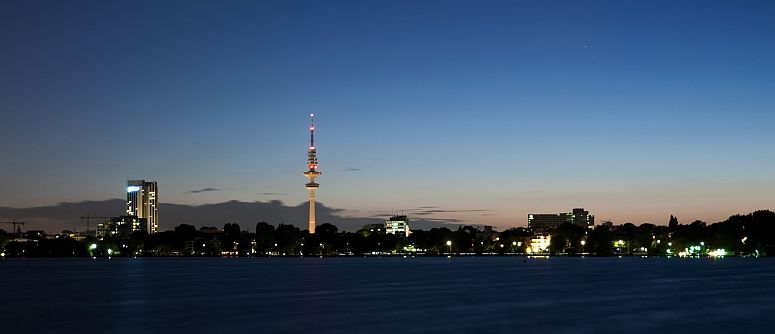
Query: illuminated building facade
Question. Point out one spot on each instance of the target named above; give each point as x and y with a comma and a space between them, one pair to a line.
122, 226
539, 244
397, 225
312, 173
142, 202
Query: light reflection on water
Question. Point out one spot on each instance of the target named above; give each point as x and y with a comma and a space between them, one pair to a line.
387, 295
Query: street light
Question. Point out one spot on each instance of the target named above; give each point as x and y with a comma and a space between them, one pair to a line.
622, 244
514, 243
449, 245
583, 242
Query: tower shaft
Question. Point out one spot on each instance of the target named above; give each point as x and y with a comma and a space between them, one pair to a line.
312, 211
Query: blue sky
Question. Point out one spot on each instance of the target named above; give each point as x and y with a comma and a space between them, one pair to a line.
634, 110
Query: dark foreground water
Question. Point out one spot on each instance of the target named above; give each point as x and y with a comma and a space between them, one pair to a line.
388, 295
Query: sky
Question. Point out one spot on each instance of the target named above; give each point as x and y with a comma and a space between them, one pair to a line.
482, 111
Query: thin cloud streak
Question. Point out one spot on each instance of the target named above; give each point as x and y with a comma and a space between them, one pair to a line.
433, 210
208, 189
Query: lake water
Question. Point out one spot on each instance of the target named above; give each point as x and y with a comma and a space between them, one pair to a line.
388, 295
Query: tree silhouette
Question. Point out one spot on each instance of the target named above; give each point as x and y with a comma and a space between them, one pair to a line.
264, 238
672, 224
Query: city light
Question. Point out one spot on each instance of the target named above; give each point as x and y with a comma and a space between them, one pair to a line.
718, 252
132, 189
93, 246
539, 244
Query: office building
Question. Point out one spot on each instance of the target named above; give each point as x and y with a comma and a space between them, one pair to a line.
582, 218
543, 222
142, 202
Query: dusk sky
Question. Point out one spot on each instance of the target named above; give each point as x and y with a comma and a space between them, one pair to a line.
483, 110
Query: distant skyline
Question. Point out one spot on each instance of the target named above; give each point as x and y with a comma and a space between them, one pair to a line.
476, 111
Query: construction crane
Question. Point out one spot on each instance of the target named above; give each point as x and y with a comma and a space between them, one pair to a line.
16, 228
89, 217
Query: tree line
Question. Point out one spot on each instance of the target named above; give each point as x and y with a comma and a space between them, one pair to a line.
751, 234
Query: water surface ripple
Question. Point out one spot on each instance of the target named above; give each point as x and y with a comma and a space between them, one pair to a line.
388, 295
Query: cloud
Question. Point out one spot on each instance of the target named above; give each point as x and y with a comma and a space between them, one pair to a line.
430, 211
273, 194
202, 190
59, 217
352, 169
423, 221
444, 220
379, 215
433, 211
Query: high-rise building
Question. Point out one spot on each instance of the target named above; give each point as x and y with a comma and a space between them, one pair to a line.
142, 200
581, 217
312, 173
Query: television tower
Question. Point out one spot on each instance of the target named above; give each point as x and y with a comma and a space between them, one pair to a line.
312, 173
